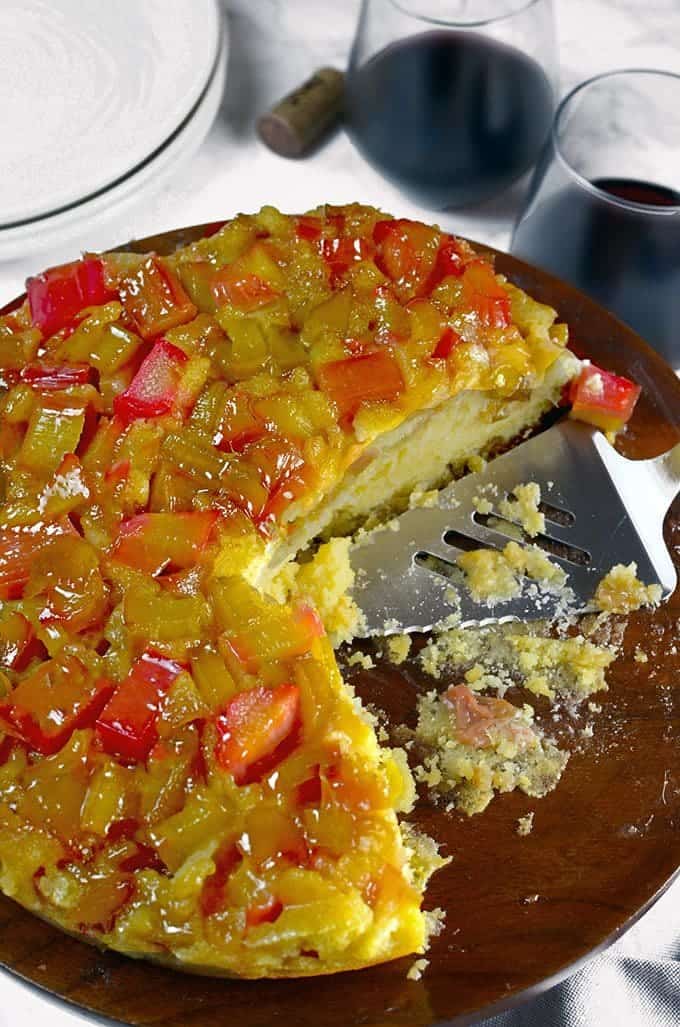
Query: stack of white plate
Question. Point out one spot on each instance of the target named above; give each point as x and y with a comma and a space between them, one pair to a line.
99, 102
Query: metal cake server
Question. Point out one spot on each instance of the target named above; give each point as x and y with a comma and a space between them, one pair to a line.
600, 509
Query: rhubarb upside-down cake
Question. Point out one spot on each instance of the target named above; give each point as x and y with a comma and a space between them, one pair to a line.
184, 775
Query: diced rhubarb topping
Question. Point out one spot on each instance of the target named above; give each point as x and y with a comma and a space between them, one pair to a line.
153, 542
213, 898
309, 792
18, 642
406, 252
154, 389
59, 294
282, 471
18, 548
239, 425
257, 630
367, 378
51, 377
118, 472
255, 731
447, 262
603, 399
308, 228
340, 253
126, 726
479, 720
309, 624
66, 490
47, 706
483, 294
103, 899
155, 299
244, 290
265, 912
449, 339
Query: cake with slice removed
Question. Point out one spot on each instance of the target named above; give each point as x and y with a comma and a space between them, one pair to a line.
183, 774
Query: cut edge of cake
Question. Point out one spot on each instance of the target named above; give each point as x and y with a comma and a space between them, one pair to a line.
421, 454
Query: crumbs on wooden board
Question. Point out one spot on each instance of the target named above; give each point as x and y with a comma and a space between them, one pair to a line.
397, 648
620, 591
417, 969
572, 667
525, 824
359, 659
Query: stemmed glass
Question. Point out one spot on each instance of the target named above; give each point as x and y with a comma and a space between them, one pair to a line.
603, 211
452, 100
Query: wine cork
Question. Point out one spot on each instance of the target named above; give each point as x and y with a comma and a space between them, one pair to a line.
299, 120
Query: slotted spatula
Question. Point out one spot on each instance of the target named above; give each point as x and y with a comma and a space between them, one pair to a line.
600, 509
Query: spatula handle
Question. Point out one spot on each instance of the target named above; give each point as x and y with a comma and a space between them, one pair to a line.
668, 473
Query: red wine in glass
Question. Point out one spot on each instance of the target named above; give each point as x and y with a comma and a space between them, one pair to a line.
624, 254
635, 191
603, 210
449, 116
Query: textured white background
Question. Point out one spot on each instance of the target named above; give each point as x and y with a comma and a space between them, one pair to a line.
274, 45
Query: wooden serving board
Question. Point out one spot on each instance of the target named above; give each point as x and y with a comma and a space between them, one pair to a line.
521, 912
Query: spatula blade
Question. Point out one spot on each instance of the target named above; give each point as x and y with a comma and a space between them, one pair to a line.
407, 578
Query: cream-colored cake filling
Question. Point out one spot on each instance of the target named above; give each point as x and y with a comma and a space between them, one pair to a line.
422, 453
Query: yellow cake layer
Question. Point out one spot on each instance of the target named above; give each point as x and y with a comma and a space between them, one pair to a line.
423, 453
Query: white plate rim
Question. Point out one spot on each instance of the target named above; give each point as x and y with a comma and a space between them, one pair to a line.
138, 165
44, 231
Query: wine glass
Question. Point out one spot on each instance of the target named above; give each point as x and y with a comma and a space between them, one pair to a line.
604, 206
452, 100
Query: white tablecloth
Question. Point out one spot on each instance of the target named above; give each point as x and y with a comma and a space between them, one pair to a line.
635, 983
274, 45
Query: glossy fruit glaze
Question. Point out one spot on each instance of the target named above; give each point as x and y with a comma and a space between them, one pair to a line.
182, 773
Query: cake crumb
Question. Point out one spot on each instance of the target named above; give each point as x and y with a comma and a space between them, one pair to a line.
417, 969
640, 656
525, 508
474, 675
482, 504
359, 659
476, 464
496, 656
429, 773
620, 591
575, 665
489, 576
427, 499
532, 561
495, 576
324, 581
525, 825
539, 685
397, 648
436, 917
